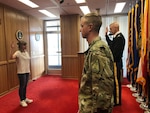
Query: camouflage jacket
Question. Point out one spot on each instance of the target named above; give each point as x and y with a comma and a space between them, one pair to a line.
97, 82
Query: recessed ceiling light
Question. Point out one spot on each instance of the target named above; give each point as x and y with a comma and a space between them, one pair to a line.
29, 3
85, 9
80, 1
119, 7
47, 13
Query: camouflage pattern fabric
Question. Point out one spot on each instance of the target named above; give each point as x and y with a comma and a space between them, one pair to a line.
97, 82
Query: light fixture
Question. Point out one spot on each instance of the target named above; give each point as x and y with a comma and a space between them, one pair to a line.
119, 7
47, 13
29, 3
85, 9
80, 1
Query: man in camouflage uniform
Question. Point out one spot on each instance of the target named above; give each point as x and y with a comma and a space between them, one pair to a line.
97, 82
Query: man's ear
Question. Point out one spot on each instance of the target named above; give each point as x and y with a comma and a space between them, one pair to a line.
91, 26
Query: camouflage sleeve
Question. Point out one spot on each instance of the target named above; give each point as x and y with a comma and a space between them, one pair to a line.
102, 80
85, 92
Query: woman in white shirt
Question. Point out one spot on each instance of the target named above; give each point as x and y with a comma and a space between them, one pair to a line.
23, 70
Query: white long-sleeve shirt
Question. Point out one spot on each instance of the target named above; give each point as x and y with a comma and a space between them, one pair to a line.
23, 62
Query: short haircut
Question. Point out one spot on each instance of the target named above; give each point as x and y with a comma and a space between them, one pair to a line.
115, 24
95, 19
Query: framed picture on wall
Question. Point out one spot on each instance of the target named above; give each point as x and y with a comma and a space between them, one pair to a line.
19, 35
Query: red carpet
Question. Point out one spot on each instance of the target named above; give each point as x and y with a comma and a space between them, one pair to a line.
129, 104
51, 94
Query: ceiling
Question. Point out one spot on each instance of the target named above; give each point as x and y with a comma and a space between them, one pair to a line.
68, 7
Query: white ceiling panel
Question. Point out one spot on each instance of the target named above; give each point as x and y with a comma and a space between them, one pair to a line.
106, 7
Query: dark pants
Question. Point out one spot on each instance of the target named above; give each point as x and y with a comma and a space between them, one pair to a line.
117, 89
23, 81
148, 86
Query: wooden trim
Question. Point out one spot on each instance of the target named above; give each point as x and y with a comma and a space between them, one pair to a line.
3, 62
12, 61
69, 56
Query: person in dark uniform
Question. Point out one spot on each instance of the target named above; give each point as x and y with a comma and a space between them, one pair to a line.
117, 46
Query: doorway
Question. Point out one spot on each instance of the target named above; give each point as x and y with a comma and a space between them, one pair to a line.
53, 46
